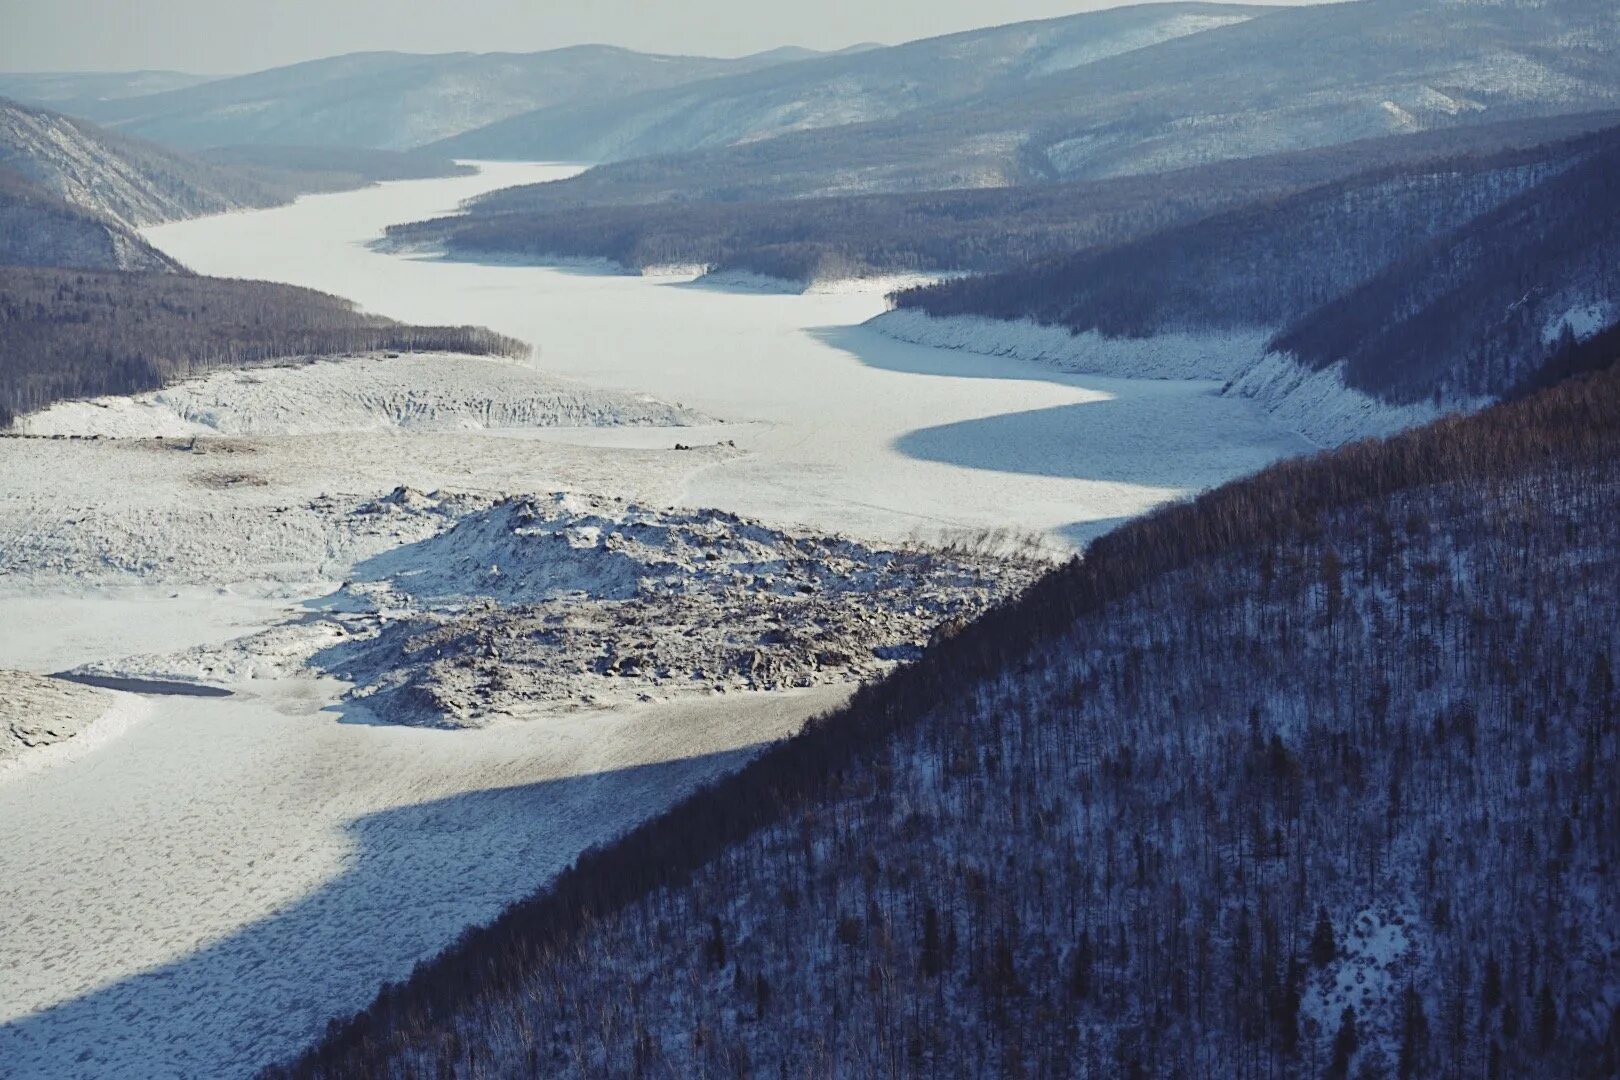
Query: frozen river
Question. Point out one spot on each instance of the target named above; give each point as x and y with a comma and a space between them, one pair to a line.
197, 896
848, 430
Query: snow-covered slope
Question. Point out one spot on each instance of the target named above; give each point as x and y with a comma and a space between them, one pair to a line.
133, 182
38, 229
844, 89
1214, 354
75, 92
1441, 288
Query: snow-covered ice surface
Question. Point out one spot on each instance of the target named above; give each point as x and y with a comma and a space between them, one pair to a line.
419, 392
199, 897
201, 893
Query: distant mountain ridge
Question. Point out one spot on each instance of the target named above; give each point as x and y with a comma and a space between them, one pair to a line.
397, 101
73, 194
846, 88
1291, 78
802, 242
80, 92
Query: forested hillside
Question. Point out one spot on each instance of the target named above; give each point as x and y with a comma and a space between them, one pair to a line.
1292, 78
67, 334
38, 229
1308, 776
1482, 308
994, 229
1266, 263
133, 182
1448, 284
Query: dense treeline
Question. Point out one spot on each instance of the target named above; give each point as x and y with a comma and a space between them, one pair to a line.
965, 230
66, 334
1311, 775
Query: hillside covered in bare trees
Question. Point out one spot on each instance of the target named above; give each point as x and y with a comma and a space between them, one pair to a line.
995, 229
1308, 776
67, 334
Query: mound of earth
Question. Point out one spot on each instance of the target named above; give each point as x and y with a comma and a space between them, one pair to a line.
39, 713
568, 601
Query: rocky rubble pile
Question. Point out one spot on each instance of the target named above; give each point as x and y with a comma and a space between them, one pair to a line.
569, 601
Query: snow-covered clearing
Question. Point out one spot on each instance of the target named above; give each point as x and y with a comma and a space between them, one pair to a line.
202, 893
429, 392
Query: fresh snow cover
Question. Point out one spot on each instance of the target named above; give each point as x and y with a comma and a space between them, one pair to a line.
1379, 952
1079, 53
1202, 355
418, 392
200, 895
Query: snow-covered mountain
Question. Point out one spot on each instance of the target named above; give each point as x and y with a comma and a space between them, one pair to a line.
79, 92
845, 89
397, 101
1287, 79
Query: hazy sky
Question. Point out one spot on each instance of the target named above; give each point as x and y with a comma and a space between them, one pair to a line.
244, 35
